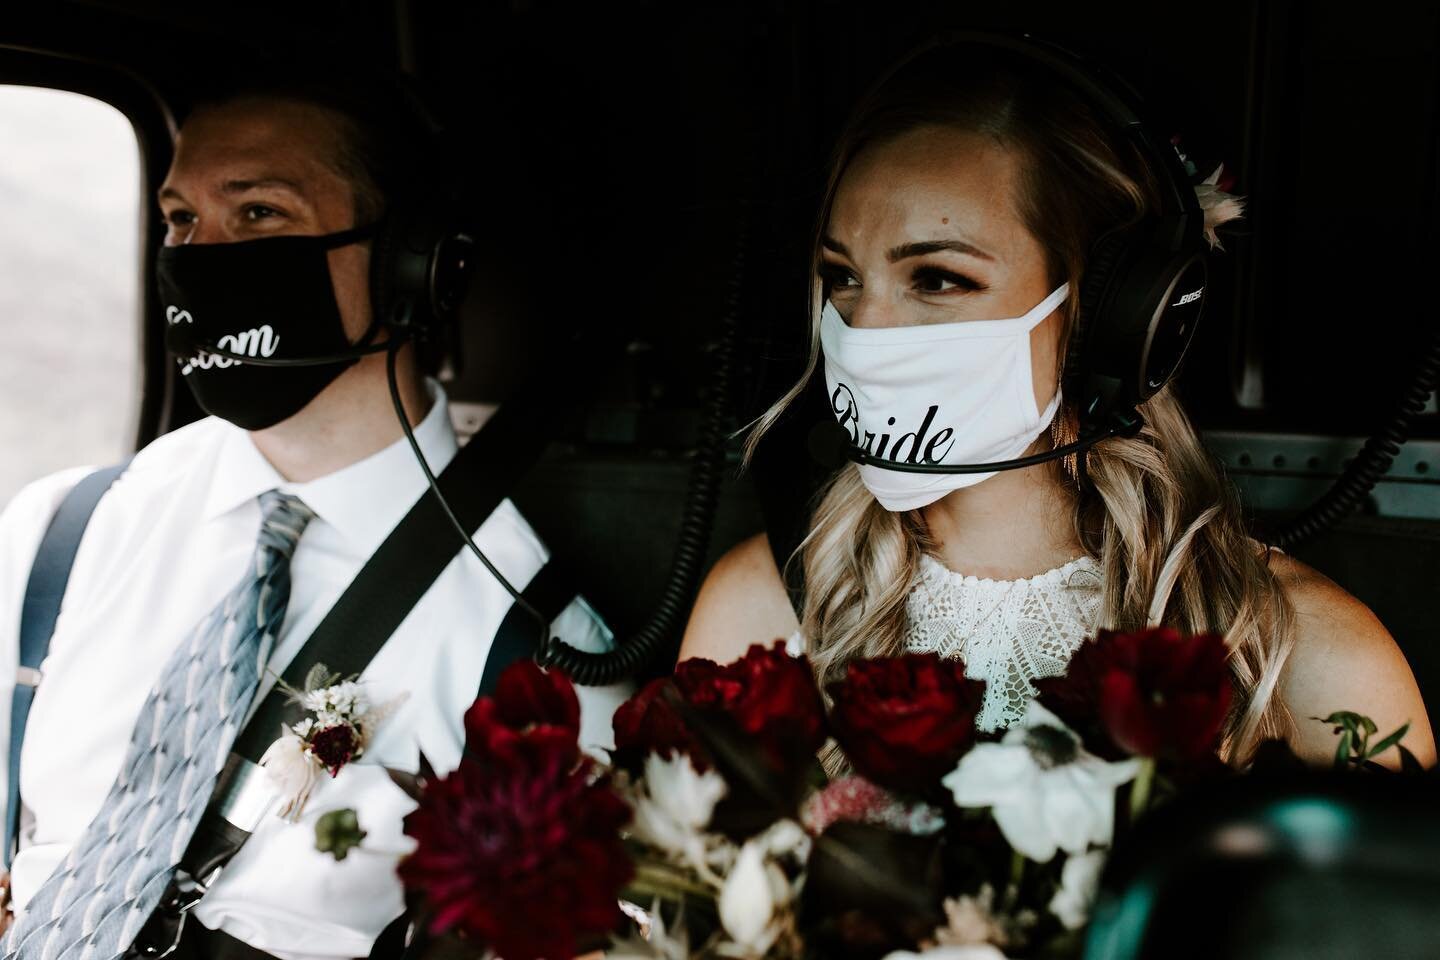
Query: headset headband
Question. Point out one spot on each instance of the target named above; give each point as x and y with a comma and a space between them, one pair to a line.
1180, 217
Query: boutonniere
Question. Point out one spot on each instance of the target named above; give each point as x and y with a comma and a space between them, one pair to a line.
340, 725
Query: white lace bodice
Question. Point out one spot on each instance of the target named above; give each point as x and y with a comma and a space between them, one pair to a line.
1009, 632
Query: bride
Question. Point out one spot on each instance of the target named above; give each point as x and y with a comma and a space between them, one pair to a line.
970, 186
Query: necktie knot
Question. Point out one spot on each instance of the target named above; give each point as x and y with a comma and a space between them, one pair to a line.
282, 519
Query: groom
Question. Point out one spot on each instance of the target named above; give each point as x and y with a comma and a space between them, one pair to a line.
209, 562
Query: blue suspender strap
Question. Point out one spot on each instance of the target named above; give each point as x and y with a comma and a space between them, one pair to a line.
43, 593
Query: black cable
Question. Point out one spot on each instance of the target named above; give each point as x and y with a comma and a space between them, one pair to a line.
832, 446
390, 376
697, 521
1373, 460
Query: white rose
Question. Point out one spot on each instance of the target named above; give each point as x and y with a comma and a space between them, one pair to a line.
1079, 883
753, 893
1044, 790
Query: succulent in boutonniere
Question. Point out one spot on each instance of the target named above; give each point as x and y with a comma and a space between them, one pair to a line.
339, 728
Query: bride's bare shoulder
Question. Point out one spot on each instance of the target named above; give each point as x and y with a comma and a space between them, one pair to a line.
1344, 659
743, 601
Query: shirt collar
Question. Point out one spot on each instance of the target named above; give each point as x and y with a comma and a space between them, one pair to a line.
363, 501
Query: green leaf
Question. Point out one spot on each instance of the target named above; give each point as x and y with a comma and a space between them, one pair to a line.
1387, 743
1343, 718
1369, 725
1342, 752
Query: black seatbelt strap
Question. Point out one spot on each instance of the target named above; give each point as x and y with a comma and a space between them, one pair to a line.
49, 575
401, 571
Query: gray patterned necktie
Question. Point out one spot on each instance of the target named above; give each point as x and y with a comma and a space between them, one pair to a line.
94, 904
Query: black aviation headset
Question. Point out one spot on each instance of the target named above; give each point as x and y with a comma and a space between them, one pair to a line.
1143, 287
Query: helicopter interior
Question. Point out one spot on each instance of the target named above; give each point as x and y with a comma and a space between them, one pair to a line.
668, 158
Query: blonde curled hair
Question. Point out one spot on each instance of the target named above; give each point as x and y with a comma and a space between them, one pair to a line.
1156, 512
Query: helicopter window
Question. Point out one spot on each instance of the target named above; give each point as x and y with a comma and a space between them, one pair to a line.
70, 188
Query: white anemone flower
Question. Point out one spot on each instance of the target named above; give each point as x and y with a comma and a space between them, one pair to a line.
1079, 883
1044, 789
674, 806
752, 902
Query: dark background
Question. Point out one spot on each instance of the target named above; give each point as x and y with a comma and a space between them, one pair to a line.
630, 160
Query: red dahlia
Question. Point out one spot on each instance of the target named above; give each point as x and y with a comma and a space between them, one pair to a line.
520, 847
528, 695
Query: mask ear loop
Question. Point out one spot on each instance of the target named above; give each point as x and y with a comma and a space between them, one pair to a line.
359, 234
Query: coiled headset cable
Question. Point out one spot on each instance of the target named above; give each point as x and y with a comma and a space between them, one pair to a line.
633, 653
1374, 458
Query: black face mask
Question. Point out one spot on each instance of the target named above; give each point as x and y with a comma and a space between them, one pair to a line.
268, 299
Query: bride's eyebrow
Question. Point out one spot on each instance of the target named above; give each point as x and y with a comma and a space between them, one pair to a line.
919, 249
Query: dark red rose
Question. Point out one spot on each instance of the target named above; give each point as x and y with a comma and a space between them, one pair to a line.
773, 697
522, 851
904, 722
707, 685
528, 694
1155, 692
334, 746
648, 723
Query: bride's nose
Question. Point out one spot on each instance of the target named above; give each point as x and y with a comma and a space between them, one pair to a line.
874, 309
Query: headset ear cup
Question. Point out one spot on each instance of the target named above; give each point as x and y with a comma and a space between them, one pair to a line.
1095, 285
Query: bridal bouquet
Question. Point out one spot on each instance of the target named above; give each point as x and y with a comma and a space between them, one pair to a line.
714, 830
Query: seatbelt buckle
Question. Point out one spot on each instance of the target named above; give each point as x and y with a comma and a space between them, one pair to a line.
27, 677
161, 934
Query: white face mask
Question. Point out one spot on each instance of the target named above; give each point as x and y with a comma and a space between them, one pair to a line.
939, 393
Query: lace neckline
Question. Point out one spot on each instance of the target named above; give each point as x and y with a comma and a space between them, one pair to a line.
1009, 632
932, 568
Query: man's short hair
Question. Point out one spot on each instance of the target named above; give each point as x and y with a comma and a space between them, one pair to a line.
385, 144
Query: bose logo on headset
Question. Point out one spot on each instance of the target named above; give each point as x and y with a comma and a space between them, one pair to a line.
1192, 295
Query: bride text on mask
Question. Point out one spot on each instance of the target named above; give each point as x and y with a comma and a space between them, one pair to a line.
842, 402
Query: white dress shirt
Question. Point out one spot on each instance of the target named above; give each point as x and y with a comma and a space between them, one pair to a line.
168, 541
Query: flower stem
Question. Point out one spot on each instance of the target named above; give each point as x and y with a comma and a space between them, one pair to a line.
1140, 788
667, 883
1017, 868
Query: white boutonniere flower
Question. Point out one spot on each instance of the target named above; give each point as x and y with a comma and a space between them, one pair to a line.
341, 726
1045, 790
